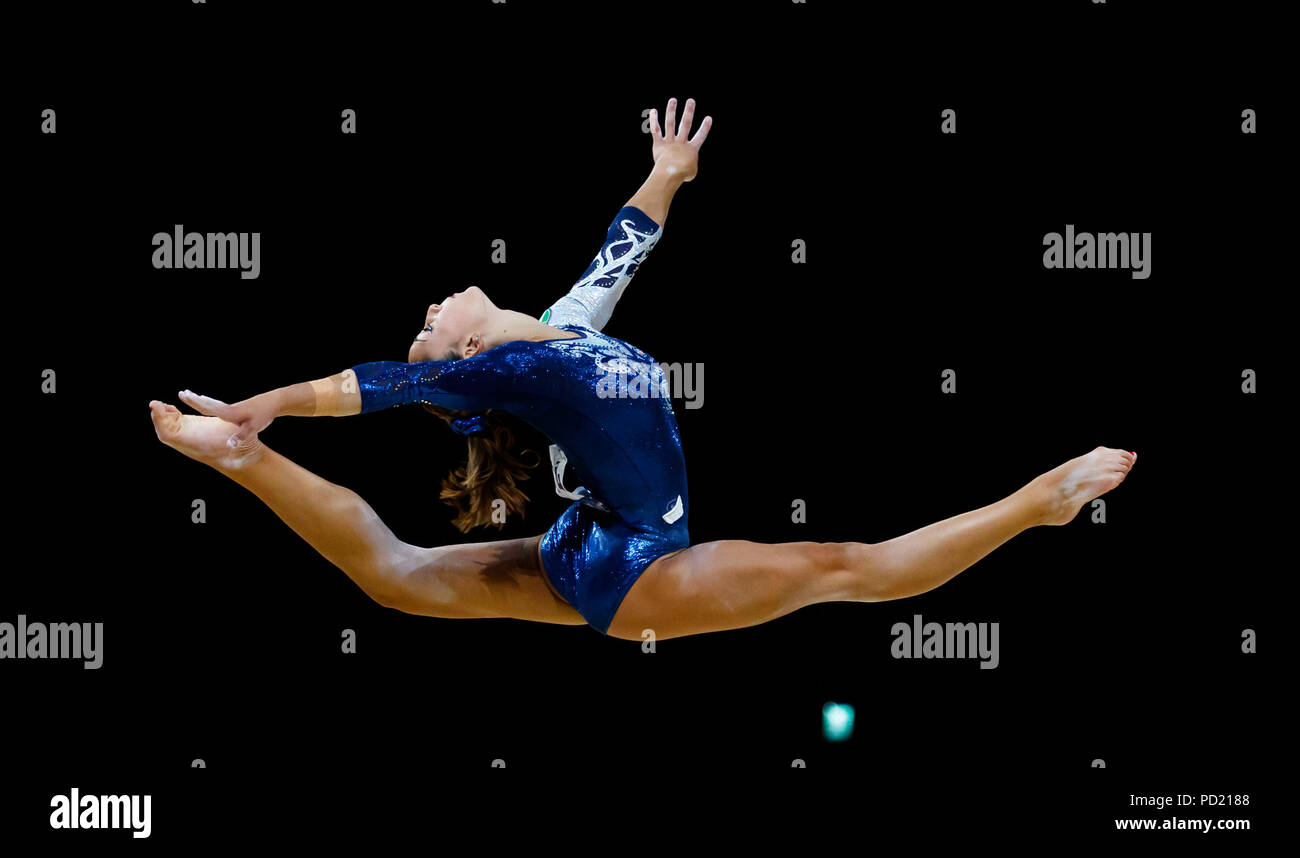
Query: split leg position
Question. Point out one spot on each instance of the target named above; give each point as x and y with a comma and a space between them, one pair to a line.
713, 586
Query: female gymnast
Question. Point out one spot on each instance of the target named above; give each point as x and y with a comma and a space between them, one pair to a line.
619, 558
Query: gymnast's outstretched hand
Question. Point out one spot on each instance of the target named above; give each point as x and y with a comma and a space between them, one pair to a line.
250, 416
204, 439
670, 149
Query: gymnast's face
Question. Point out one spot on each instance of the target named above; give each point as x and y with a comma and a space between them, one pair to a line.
450, 327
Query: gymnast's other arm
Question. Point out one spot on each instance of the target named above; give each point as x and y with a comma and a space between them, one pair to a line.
361, 389
337, 395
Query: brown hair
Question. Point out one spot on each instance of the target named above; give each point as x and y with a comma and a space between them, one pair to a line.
491, 471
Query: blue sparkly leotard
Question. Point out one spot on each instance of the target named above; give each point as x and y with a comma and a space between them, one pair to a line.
607, 407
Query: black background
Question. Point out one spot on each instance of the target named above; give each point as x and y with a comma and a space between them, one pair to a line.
522, 122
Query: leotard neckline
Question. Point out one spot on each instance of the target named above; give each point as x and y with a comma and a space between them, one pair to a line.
581, 330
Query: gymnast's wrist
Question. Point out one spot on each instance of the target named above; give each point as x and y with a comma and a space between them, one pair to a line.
295, 400
669, 175
336, 396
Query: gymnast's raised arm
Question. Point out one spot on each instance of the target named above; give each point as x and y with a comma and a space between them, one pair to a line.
677, 159
636, 227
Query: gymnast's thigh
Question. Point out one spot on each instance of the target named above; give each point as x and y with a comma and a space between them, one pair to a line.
503, 578
731, 584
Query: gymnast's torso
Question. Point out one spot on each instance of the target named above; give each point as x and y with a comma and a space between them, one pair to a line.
604, 403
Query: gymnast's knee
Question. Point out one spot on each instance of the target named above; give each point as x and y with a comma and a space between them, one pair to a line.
841, 556
388, 598
423, 606
849, 565
393, 592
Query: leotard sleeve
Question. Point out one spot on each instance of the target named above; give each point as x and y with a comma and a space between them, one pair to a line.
470, 384
591, 300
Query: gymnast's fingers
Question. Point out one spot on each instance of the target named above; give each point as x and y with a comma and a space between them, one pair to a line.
204, 404
654, 124
687, 114
698, 139
670, 118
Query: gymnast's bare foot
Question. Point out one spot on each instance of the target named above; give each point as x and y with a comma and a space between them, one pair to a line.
203, 438
1064, 490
